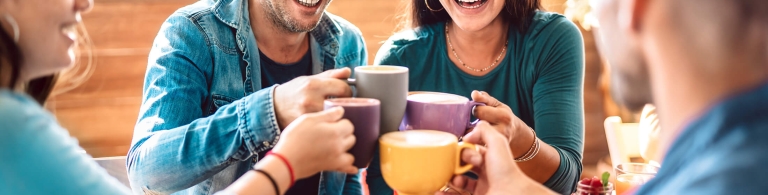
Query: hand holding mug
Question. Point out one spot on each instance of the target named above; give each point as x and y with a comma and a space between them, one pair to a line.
306, 94
317, 142
499, 115
498, 173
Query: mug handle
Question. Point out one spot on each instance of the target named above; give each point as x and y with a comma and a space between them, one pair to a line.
353, 84
463, 169
473, 104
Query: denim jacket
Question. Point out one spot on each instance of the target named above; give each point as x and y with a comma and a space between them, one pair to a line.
202, 122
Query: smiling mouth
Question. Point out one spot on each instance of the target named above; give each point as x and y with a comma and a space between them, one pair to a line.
471, 4
70, 30
308, 3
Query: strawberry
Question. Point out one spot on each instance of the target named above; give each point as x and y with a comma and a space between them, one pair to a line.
596, 184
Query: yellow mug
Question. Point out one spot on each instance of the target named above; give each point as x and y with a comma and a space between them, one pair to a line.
417, 162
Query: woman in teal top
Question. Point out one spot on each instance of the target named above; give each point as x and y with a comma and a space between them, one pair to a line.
37, 155
531, 61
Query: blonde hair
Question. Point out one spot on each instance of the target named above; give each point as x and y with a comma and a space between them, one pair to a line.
82, 69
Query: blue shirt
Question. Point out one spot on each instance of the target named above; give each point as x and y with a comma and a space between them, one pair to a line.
37, 156
725, 151
202, 123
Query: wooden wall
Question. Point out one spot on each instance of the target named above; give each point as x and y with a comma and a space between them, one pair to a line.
101, 112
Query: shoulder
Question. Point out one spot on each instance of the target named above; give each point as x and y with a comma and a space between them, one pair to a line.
195, 9
351, 45
20, 114
734, 164
421, 36
346, 28
412, 41
549, 25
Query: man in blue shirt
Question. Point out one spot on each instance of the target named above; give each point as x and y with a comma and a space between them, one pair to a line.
704, 64
224, 78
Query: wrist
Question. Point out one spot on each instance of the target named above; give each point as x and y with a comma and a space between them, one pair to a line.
287, 164
524, 141
281, 122
276, 170
521, 140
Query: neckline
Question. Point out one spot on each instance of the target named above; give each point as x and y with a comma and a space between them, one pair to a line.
455, 67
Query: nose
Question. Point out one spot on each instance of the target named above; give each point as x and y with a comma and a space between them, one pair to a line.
83, 5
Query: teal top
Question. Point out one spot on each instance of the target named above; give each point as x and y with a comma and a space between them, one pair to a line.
37, 156
541, 79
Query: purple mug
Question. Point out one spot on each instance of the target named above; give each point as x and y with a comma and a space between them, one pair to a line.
439, 111
364, 113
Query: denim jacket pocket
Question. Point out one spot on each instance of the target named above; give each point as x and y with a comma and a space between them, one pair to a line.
218, 101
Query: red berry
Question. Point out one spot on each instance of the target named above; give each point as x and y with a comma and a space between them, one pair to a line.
585, 181
596, 185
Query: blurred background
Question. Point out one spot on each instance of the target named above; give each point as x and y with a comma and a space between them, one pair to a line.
101, 112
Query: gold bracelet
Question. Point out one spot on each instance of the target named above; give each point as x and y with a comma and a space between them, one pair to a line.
532, 151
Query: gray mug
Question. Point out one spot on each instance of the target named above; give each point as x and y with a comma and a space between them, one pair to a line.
389, 85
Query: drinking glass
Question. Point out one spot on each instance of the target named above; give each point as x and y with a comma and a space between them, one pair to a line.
633, 175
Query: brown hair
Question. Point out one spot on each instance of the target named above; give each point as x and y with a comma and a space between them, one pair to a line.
10, 65
518, 13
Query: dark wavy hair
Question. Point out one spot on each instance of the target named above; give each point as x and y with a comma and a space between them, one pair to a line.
11, 59
518, 13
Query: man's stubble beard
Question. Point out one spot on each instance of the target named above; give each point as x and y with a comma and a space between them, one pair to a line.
281, 18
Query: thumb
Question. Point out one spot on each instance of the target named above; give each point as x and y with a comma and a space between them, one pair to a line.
486, 134
487, 99
328, 115
341, 73
476, 136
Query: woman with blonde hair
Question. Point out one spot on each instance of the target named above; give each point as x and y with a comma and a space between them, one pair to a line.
37, 155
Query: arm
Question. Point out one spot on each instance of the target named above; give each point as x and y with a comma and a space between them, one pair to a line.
174, 147
499, 174
557, 110
255, 183
315, 142
558, 105
39, 156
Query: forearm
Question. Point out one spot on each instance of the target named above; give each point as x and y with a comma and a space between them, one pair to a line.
557, 168
543, 165
201, 148
255, 183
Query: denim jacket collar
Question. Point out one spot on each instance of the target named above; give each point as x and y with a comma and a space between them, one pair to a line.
324, 43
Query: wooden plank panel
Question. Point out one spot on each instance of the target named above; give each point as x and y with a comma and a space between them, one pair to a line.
128, 23
113, 77
104, 127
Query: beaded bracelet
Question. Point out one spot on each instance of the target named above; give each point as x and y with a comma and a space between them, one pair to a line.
532, 151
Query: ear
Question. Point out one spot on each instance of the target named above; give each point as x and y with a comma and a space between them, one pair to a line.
631, 14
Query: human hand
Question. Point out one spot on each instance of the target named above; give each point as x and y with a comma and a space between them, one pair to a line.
494, 164
317, 142
306, 94
497, 114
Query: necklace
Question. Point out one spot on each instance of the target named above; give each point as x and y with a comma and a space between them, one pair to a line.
503, 49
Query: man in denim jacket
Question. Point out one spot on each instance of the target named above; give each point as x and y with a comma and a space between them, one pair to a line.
224, 77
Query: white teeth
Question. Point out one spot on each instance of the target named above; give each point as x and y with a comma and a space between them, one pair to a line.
482, 2
70, 31
308, 3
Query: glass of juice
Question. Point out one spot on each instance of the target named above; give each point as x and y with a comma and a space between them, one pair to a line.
633, 175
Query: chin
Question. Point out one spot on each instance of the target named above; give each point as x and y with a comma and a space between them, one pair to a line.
630, 92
